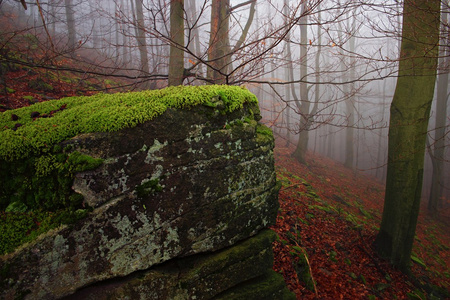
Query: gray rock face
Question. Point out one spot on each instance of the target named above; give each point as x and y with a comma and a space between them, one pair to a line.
178, 204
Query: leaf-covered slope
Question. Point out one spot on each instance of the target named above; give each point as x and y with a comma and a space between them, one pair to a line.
330, 215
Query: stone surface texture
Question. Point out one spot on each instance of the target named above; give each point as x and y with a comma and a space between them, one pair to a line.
181, 206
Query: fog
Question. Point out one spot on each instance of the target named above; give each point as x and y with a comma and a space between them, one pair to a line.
322, 68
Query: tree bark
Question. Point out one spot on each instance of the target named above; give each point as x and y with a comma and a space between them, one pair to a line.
176, 62
437, 156
350, 108
303, 105
287, 74
71, 43
218, 41
194, 44
141, 40
410, 110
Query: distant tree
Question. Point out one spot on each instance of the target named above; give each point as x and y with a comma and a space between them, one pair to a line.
410, 110
194, 47
303, 105
218, 41
350, 103
437, 155
139, 23
176, 61
70, 17
219, 49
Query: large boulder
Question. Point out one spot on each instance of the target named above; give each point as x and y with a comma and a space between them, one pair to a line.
178, 204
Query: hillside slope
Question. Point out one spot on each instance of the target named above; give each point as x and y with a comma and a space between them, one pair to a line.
328, 220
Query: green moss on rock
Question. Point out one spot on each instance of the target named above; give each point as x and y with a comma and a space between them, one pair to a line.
37, 173
103, 113
43, 182
267, 287
148, 188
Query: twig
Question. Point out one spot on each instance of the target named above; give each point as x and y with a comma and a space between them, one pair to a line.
43, 22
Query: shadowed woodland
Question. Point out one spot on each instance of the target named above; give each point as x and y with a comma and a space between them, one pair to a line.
356, 94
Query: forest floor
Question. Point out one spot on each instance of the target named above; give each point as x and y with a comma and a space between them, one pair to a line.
328, 219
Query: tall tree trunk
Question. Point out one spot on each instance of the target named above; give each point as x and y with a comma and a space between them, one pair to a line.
219, 50
218, 41
317, 69
71, 43
52, 18
410, 110
21, 10
95, 35
176, 62
241, 40
350, 108
287, 75
381, 145
194, 46
437, 157
141, 40
303, 105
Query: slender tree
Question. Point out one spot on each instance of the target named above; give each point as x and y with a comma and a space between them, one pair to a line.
437, 156
218, 41
141, 39
410, 110
287, 74
350, 106
176, 62
70, 24
219, 49
303, 105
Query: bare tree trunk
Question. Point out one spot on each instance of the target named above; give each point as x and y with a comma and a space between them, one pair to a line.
381, 150
194, 45
141, 40
117, 31
218, 41
287, 73
410, 111
70, 24
95, 35
437, 156
176, 63
350, 108
317, 72
303, 105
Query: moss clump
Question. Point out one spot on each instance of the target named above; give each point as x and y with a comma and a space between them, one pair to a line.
263, 134
102, 113
36, 195
43, 182
18, 228
148, 188
266, 287
40, 85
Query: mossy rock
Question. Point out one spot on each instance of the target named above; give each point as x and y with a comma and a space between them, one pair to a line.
104, 113
267, 287
38, 171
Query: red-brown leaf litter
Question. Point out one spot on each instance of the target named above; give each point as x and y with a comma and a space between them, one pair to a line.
327, 222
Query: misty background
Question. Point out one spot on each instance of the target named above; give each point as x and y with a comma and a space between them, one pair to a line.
323, 71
